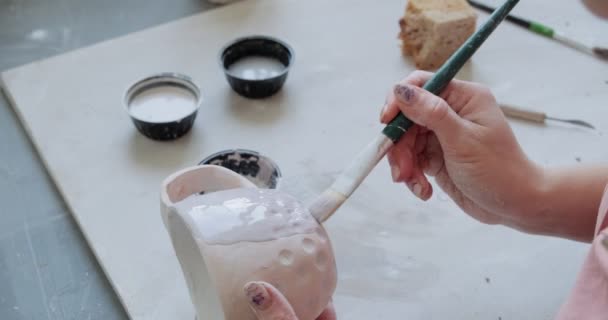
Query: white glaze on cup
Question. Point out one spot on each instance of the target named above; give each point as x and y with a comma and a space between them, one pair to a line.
246, 214
227, 238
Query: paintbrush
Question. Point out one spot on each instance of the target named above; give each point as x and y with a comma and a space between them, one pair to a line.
548, 32
538, 117
348, 181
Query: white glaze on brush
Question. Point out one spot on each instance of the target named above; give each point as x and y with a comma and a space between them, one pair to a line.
348, 181
226, 238
162, 104
256, 68
575, 44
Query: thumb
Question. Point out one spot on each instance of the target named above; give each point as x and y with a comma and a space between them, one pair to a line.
267, 302
428, 110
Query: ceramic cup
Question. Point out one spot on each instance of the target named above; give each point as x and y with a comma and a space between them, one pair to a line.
227, 232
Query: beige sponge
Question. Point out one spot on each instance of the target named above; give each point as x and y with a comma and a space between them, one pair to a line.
432, 30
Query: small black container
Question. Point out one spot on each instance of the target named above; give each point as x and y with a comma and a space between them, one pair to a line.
256, 46
257, 168
163, 106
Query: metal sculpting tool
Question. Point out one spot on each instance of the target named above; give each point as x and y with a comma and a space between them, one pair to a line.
538, 117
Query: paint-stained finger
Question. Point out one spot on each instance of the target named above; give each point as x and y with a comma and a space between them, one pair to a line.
428, 110
267, 302
390, 110
456, 93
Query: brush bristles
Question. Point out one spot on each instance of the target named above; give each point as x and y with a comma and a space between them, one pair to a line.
326, 204
601, 52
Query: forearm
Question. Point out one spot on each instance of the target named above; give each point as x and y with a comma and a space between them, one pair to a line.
568, 200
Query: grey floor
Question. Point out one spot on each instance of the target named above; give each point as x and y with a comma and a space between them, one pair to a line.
46, 269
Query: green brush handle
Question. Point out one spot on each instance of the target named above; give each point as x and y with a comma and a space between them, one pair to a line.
542, 29
398, 126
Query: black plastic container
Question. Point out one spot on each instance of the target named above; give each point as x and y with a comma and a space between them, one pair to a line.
257, 168
256, 46
168, 124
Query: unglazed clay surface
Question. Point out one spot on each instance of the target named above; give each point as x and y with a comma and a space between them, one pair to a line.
226, 238
301, 266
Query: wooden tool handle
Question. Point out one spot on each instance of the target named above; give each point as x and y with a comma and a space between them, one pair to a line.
522, 114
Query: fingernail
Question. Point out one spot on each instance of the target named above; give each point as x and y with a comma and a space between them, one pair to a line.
417, 188
395, 173
404, 93
257, 296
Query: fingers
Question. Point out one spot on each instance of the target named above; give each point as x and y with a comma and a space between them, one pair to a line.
459, 100
456, 93
433, 155
267, 302
420, 186
401, 157
428, 110
329, 313
405, 163
391, 109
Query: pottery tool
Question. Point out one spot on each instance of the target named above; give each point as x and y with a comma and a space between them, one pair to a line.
548, 32
348, 181
538, 117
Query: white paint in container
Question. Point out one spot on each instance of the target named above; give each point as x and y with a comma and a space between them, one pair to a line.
160, 104
256, 68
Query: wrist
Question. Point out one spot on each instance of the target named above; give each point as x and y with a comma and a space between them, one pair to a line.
534, 211
564, 202
542, 190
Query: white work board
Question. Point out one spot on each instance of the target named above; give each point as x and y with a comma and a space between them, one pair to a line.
398, 258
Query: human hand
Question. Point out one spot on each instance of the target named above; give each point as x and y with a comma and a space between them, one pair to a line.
597, 7
464, 141
269, 304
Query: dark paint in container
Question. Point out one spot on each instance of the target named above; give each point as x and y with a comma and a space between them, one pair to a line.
257, 168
